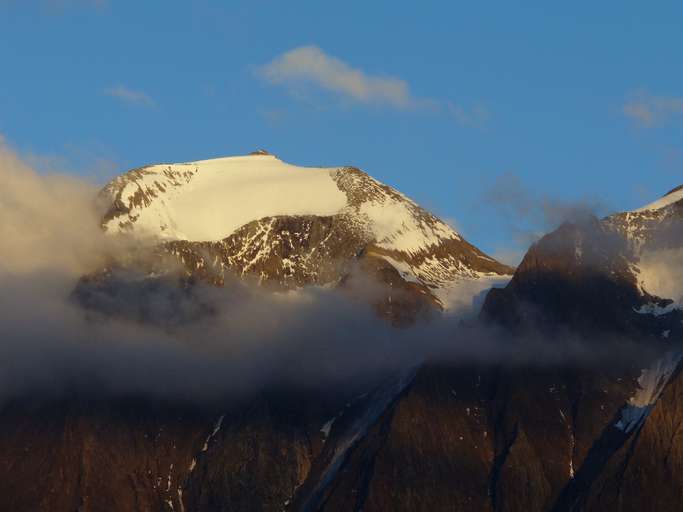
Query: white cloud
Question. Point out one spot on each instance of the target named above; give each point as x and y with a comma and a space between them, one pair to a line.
304, 67
309, 65
129, 95
648, 110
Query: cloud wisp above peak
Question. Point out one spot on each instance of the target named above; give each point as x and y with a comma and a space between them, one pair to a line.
529, 215
649, 110
311, 66
130, 96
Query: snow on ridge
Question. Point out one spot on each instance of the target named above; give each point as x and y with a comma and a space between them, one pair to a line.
207, 200
651, 384
662, 202
398, 228
456, 294
375, 404
396, 221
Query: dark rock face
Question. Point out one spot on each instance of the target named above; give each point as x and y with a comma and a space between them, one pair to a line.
583, 278
645, 473
82, 455
292, 251
475, 439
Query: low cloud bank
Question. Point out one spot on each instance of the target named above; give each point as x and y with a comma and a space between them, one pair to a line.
252, 338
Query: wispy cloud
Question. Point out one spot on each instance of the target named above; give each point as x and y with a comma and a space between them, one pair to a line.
128, 95
476, 116
309, 65
528, 215
648, 110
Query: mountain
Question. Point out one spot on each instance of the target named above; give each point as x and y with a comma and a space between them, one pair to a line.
601, 275
597, 430
294, 226
601, 280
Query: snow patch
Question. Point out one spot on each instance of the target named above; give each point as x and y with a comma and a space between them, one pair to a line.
180, 500
655, 309
651, 384
396, 226
325, 429
376, 404
216, 428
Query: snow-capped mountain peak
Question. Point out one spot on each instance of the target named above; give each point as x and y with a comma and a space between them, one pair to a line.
208, 200
257, 214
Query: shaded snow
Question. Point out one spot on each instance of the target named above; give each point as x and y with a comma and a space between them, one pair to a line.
216, 428
461, 293
655, 309
651, 384
325, 429
378, 401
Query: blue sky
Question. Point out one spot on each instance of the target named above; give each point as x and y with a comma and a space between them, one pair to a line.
451, 102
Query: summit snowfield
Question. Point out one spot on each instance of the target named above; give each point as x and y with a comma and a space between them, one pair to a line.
208, 200
296, 225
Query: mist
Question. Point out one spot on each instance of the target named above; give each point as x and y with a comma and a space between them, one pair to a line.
254, 338
661, 273
529, 215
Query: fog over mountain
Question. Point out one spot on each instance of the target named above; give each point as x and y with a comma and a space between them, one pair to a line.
253, 336
192, 327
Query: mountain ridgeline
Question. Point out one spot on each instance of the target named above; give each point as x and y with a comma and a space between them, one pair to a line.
595, 431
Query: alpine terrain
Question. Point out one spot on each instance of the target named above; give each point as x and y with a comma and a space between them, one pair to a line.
575, 423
